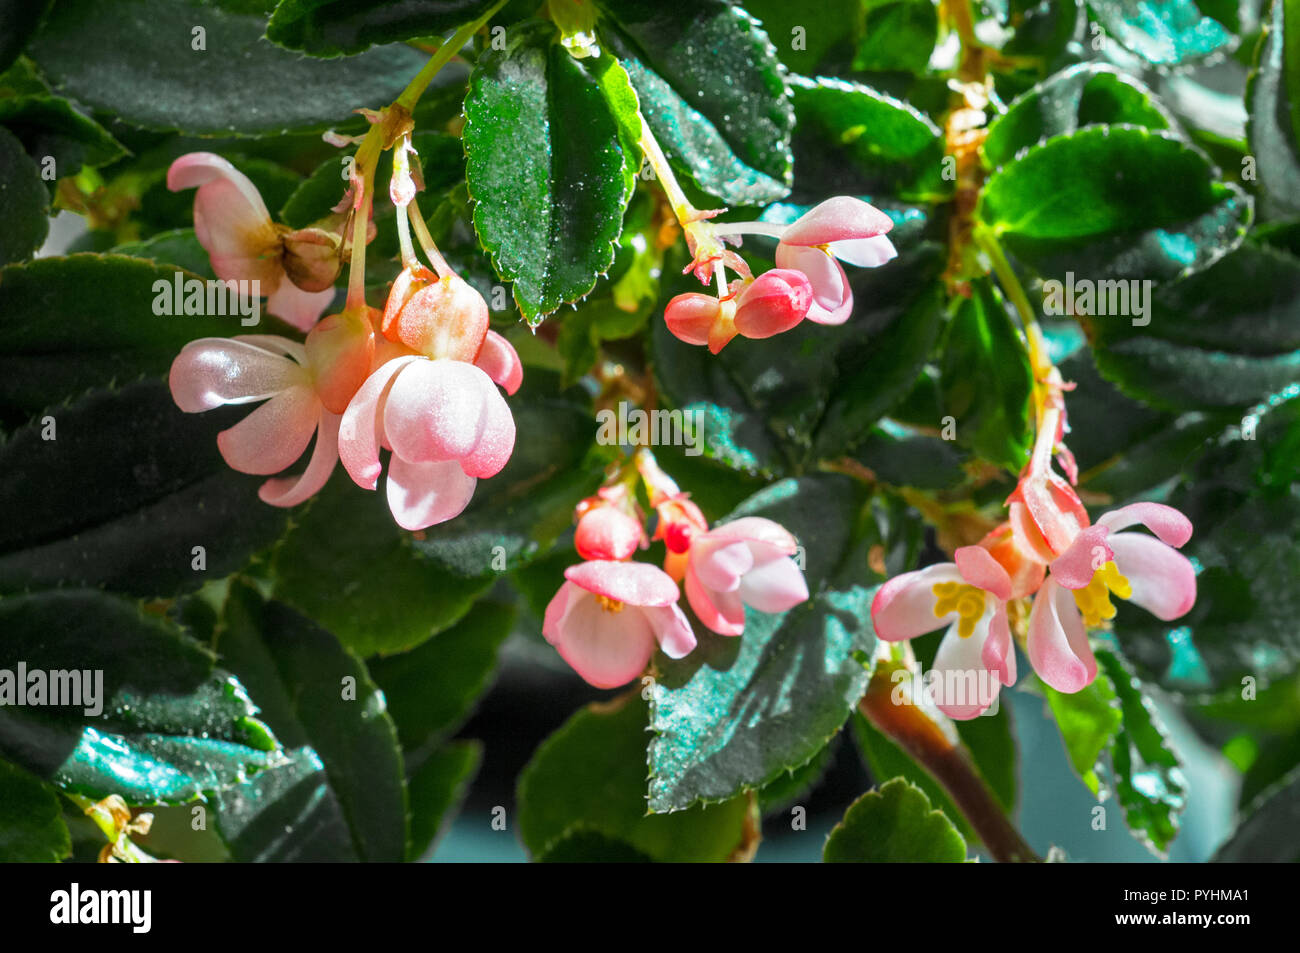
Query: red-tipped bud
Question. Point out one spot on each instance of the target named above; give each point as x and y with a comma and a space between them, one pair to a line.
606, 532
776, 301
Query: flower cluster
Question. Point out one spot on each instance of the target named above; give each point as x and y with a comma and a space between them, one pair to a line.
419, 378
807, 282
1047, 549
609, 615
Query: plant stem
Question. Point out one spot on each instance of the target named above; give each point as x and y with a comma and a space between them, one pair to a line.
682, 207
415, 89
932, 742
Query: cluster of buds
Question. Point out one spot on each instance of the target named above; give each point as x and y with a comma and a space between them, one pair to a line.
808, 281
611, 613
1049, 550
418, 378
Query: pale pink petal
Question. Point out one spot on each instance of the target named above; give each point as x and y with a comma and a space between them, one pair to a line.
978, 567
421, 495
1090, 550
719, 563
837, 219
1058, 642
277, 345
1163, 579
832, 297
1169, 525
720, 612
606, 532
556, 608
964, 687
500, 361
290, 491
437, 410
606, 648
300, 308
671, 630
999, 655
230, 219
638, 584
775, 302
904, 606
196, 169
497, 441
210, 372
274, 435
773, 585
360, 433
865, 252
757, 529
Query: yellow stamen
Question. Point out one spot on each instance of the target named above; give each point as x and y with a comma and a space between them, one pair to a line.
1093, 599
965, 600
608, 604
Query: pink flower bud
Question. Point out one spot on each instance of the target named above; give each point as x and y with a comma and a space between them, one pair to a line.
775, 301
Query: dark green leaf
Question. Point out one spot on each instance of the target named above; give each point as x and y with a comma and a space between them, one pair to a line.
121, 489
712, 91
348, 566
137, 58
579, 845
1087, 94
886, 761
551, 158
320, 701
593, 769
178, 247
739, 712
436, 790
1273, 98
898, 35
50, 128
32, 830
1267, 831
171, 728
18, 21
24, 202
894, 824
814, 37
336, 27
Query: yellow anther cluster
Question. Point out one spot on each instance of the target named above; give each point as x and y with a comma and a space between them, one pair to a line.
608, 604
965, 600
1093, 599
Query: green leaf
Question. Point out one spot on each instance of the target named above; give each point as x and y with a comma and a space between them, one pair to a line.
18, 21
517, 515
987, 380
137, 59
1238, 496
902, 457
592, 770
24, 202
52, 346
894, 824
579, 845
121, 489
1148, 776
1163, 32
436, 790
1137, 204
1273, 100
32, 830
898, 35
339, 27
739, 712
432, 689
171, 727
178, 247
551, 158
1266, 832
393, 598
852, 139
1088, 720
826, 47
319, 698
712, 91
48, 126
992, 746
1223, 337
1086, 94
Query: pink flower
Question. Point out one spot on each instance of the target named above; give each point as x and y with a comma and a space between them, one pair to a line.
255, 367
773, 302
840, 229
607, 527
742, 563
232, 223
969, 597
608, 617
447, 426
1101, 562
